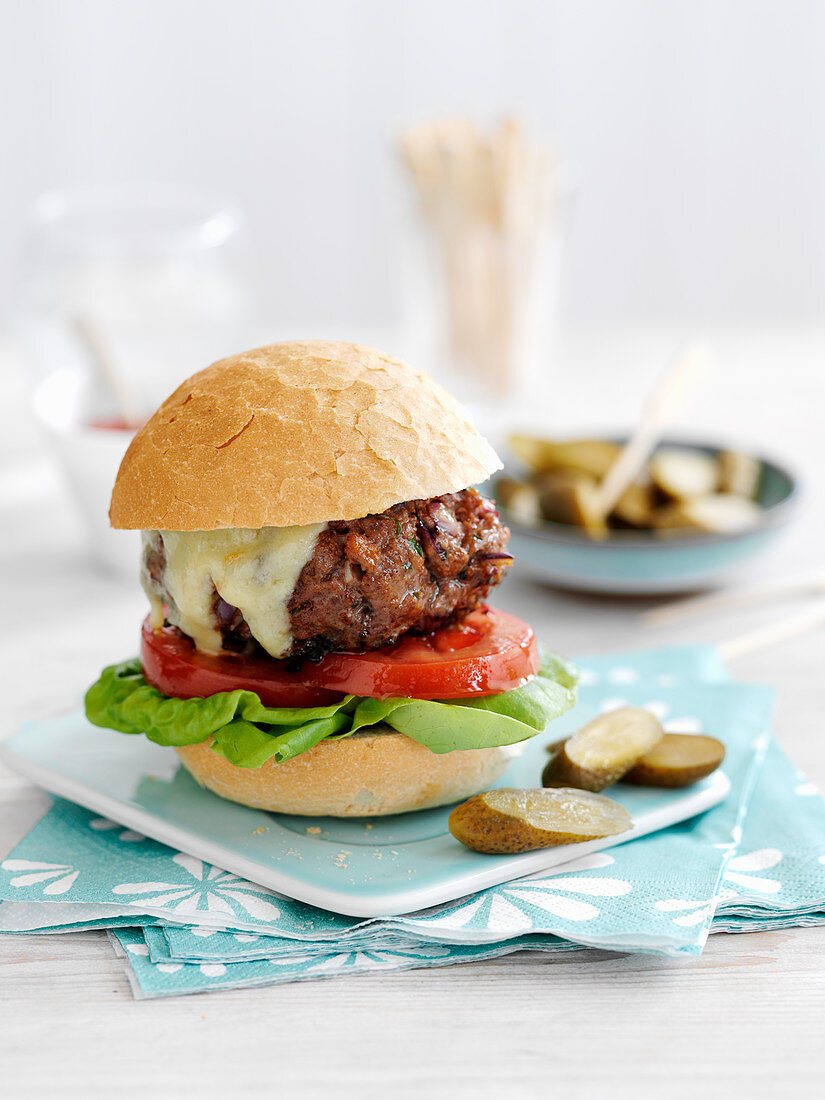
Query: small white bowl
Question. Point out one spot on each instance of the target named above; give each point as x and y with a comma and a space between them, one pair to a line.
89, 458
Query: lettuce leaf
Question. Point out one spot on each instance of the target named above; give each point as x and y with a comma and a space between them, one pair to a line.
248, 734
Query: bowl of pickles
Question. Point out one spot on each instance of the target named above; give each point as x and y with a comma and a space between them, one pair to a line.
693, 513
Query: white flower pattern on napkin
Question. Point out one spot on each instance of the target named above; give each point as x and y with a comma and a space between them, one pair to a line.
212, 889
104, 825
363, 959
694, 912
623, 674
691, 912
508, 908
760, 860
210, 970
806, 789
59, 877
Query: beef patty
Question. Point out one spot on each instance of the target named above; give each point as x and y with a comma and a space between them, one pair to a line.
417, 566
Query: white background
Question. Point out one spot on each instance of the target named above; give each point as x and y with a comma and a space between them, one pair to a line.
697, 128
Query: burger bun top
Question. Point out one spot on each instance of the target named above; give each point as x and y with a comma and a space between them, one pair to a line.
292, 434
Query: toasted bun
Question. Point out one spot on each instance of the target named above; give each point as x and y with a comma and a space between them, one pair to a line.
367, 775
293, 434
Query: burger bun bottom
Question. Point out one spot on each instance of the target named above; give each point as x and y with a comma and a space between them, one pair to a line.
370, 774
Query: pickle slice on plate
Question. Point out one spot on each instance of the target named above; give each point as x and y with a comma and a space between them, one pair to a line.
604, 750
509, 820
677, 761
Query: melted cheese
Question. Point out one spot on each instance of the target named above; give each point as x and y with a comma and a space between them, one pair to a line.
255, 571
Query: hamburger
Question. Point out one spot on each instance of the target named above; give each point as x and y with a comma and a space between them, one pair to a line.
317, 566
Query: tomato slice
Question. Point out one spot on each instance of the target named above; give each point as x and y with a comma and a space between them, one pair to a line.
173, 665
489, 652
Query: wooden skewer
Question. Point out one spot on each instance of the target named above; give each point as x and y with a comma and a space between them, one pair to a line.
729, 601
125, 402
668, 397
789, 627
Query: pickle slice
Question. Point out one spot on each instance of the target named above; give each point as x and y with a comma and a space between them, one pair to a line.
716, 513
571, 497
739, 474
635, 506
587, 456
677, 761
681, 474
604, 750
509, 820
520, 499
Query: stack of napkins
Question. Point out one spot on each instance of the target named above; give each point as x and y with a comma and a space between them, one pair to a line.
754, 862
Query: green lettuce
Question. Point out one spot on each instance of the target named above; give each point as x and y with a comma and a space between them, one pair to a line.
248, 734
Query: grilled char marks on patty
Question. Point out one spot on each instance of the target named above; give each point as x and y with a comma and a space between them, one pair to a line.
415, 567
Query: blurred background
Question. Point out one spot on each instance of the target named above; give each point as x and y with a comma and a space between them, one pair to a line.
695, 128
540, 201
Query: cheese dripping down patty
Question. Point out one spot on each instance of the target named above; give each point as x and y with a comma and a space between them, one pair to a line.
253, 570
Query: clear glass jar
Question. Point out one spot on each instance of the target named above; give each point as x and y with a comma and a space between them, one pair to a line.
147, 269
481, 292
124, 292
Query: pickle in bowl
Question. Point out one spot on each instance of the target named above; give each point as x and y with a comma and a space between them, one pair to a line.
710, 508
680, 489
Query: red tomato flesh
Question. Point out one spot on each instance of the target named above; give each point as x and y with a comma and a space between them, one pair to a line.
173, 665
489, 652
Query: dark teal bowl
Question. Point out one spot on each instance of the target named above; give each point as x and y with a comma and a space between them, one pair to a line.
638, 562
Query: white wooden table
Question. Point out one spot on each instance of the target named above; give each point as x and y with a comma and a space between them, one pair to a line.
744, 1019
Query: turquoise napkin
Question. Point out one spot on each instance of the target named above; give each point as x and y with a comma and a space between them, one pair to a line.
607, 899
730, 869
779, 879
